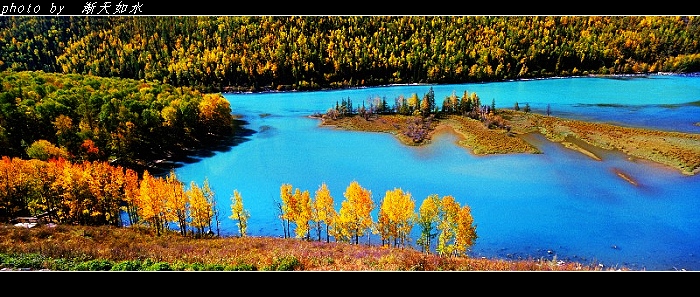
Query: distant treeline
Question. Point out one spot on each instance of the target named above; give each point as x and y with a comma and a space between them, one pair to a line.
255, 53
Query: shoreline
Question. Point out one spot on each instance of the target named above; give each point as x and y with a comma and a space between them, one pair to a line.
677, 150
680, 151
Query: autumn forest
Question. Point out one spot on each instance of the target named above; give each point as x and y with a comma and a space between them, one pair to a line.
90, 105
255, 53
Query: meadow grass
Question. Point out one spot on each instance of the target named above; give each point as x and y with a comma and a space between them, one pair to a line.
106, 248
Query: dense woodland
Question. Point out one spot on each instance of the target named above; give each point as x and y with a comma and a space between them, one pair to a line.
254, 53
127, 122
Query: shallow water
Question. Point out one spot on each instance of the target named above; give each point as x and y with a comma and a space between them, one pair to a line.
559, 204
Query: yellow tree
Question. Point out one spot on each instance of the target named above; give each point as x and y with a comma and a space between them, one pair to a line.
176, 202
396, 216
287, 207
61, 171
215, 113
46, 174
405, 212
465, 235
114, 189
67, 186
150, 204
414, 103
355, 217
200, 208
213, 210
103, 182
323, 210
449, 210
13, 189
303, 213
428, 214
78, 198
238, 213
384, 226
130, 195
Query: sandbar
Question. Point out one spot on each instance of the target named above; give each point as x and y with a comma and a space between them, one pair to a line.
678, 150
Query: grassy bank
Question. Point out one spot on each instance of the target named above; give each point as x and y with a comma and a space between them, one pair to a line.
84, 248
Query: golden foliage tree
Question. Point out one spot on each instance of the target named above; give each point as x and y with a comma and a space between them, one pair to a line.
177, 202
355, 216
238, 213
131, 194
200, 208
76, 196
104, 183
449, 208
151, 205
215, 113
457, 231
303, 213
46, 197
323, 210
14, 187
396, 217
213, 210
287, 207
465, 236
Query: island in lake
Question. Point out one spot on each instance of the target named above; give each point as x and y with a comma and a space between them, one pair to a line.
675, 149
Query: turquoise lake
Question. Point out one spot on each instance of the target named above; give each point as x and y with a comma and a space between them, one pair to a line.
559, 204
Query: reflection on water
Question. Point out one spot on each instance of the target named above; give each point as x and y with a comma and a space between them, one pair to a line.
559, 204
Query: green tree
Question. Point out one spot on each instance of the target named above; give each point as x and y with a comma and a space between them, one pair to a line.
428, 217
44, 150
447, 227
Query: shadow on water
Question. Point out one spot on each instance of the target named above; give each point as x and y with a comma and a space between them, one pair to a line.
207, 148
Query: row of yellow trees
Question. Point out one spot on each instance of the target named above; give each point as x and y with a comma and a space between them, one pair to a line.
162, 201
443, 217
96, 193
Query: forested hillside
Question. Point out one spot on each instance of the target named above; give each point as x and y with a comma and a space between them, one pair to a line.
89, 118
254, 53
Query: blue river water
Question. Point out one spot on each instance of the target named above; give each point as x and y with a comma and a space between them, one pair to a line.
558, 205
